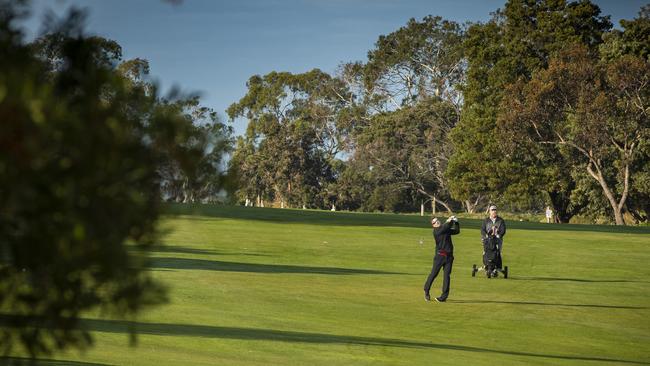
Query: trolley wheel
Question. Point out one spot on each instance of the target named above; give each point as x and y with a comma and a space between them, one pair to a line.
505, 272
474, 270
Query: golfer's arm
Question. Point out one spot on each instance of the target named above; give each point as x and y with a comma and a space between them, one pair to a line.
444, 229
455, 228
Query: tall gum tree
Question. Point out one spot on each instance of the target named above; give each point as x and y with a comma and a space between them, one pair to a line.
298, 123
599, 110
518, 40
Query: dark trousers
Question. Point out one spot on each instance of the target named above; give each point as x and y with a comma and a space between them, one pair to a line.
439, 262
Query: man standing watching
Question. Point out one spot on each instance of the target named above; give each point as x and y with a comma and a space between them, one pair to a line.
494, 226
444, 257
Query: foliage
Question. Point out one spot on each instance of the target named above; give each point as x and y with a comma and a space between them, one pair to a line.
408, 148
82, 141
196, 173
297, 126
634, 39
419, 61
598, 110
518, 41
408, 89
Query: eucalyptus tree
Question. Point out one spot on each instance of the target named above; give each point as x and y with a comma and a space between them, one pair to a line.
298, 124
600, 110
408, 148
192, 168
633, 40
420, 60
517, 41
197, 173
408, 71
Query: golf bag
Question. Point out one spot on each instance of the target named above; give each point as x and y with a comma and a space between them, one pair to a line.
491, 259
492, 255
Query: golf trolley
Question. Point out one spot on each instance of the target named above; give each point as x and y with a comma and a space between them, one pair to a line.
491, 259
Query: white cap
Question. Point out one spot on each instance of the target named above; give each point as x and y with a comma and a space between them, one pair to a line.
493, 207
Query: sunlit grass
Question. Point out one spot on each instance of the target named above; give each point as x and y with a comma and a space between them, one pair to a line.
252, 286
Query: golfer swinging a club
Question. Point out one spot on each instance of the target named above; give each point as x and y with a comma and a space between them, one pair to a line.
444, 257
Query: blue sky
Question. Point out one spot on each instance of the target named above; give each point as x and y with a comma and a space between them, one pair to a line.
213, 46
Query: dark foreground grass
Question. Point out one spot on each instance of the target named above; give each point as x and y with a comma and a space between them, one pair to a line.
253, 286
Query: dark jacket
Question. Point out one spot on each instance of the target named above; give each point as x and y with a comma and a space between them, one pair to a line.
487, 228
442, 235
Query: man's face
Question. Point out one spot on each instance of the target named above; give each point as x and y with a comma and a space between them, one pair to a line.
493, 213
435, 223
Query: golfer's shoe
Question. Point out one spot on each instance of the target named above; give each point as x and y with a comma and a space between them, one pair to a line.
439, 299
427, 297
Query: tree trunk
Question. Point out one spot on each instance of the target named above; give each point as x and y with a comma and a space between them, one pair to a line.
618, 209
471, 207
561, 202
562, 215
288, 193
433, 205
422, 208
445, 205
184, 190
468, 206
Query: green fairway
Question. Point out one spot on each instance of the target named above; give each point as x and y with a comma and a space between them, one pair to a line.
254, 286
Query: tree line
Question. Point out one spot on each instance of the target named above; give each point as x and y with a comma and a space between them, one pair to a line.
544, 104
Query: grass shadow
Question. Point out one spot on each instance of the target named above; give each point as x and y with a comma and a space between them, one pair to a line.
257, 334
253, 334
548, 304
552, 279
19, 361
316, 217
176, 249
179, 249
213, 265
